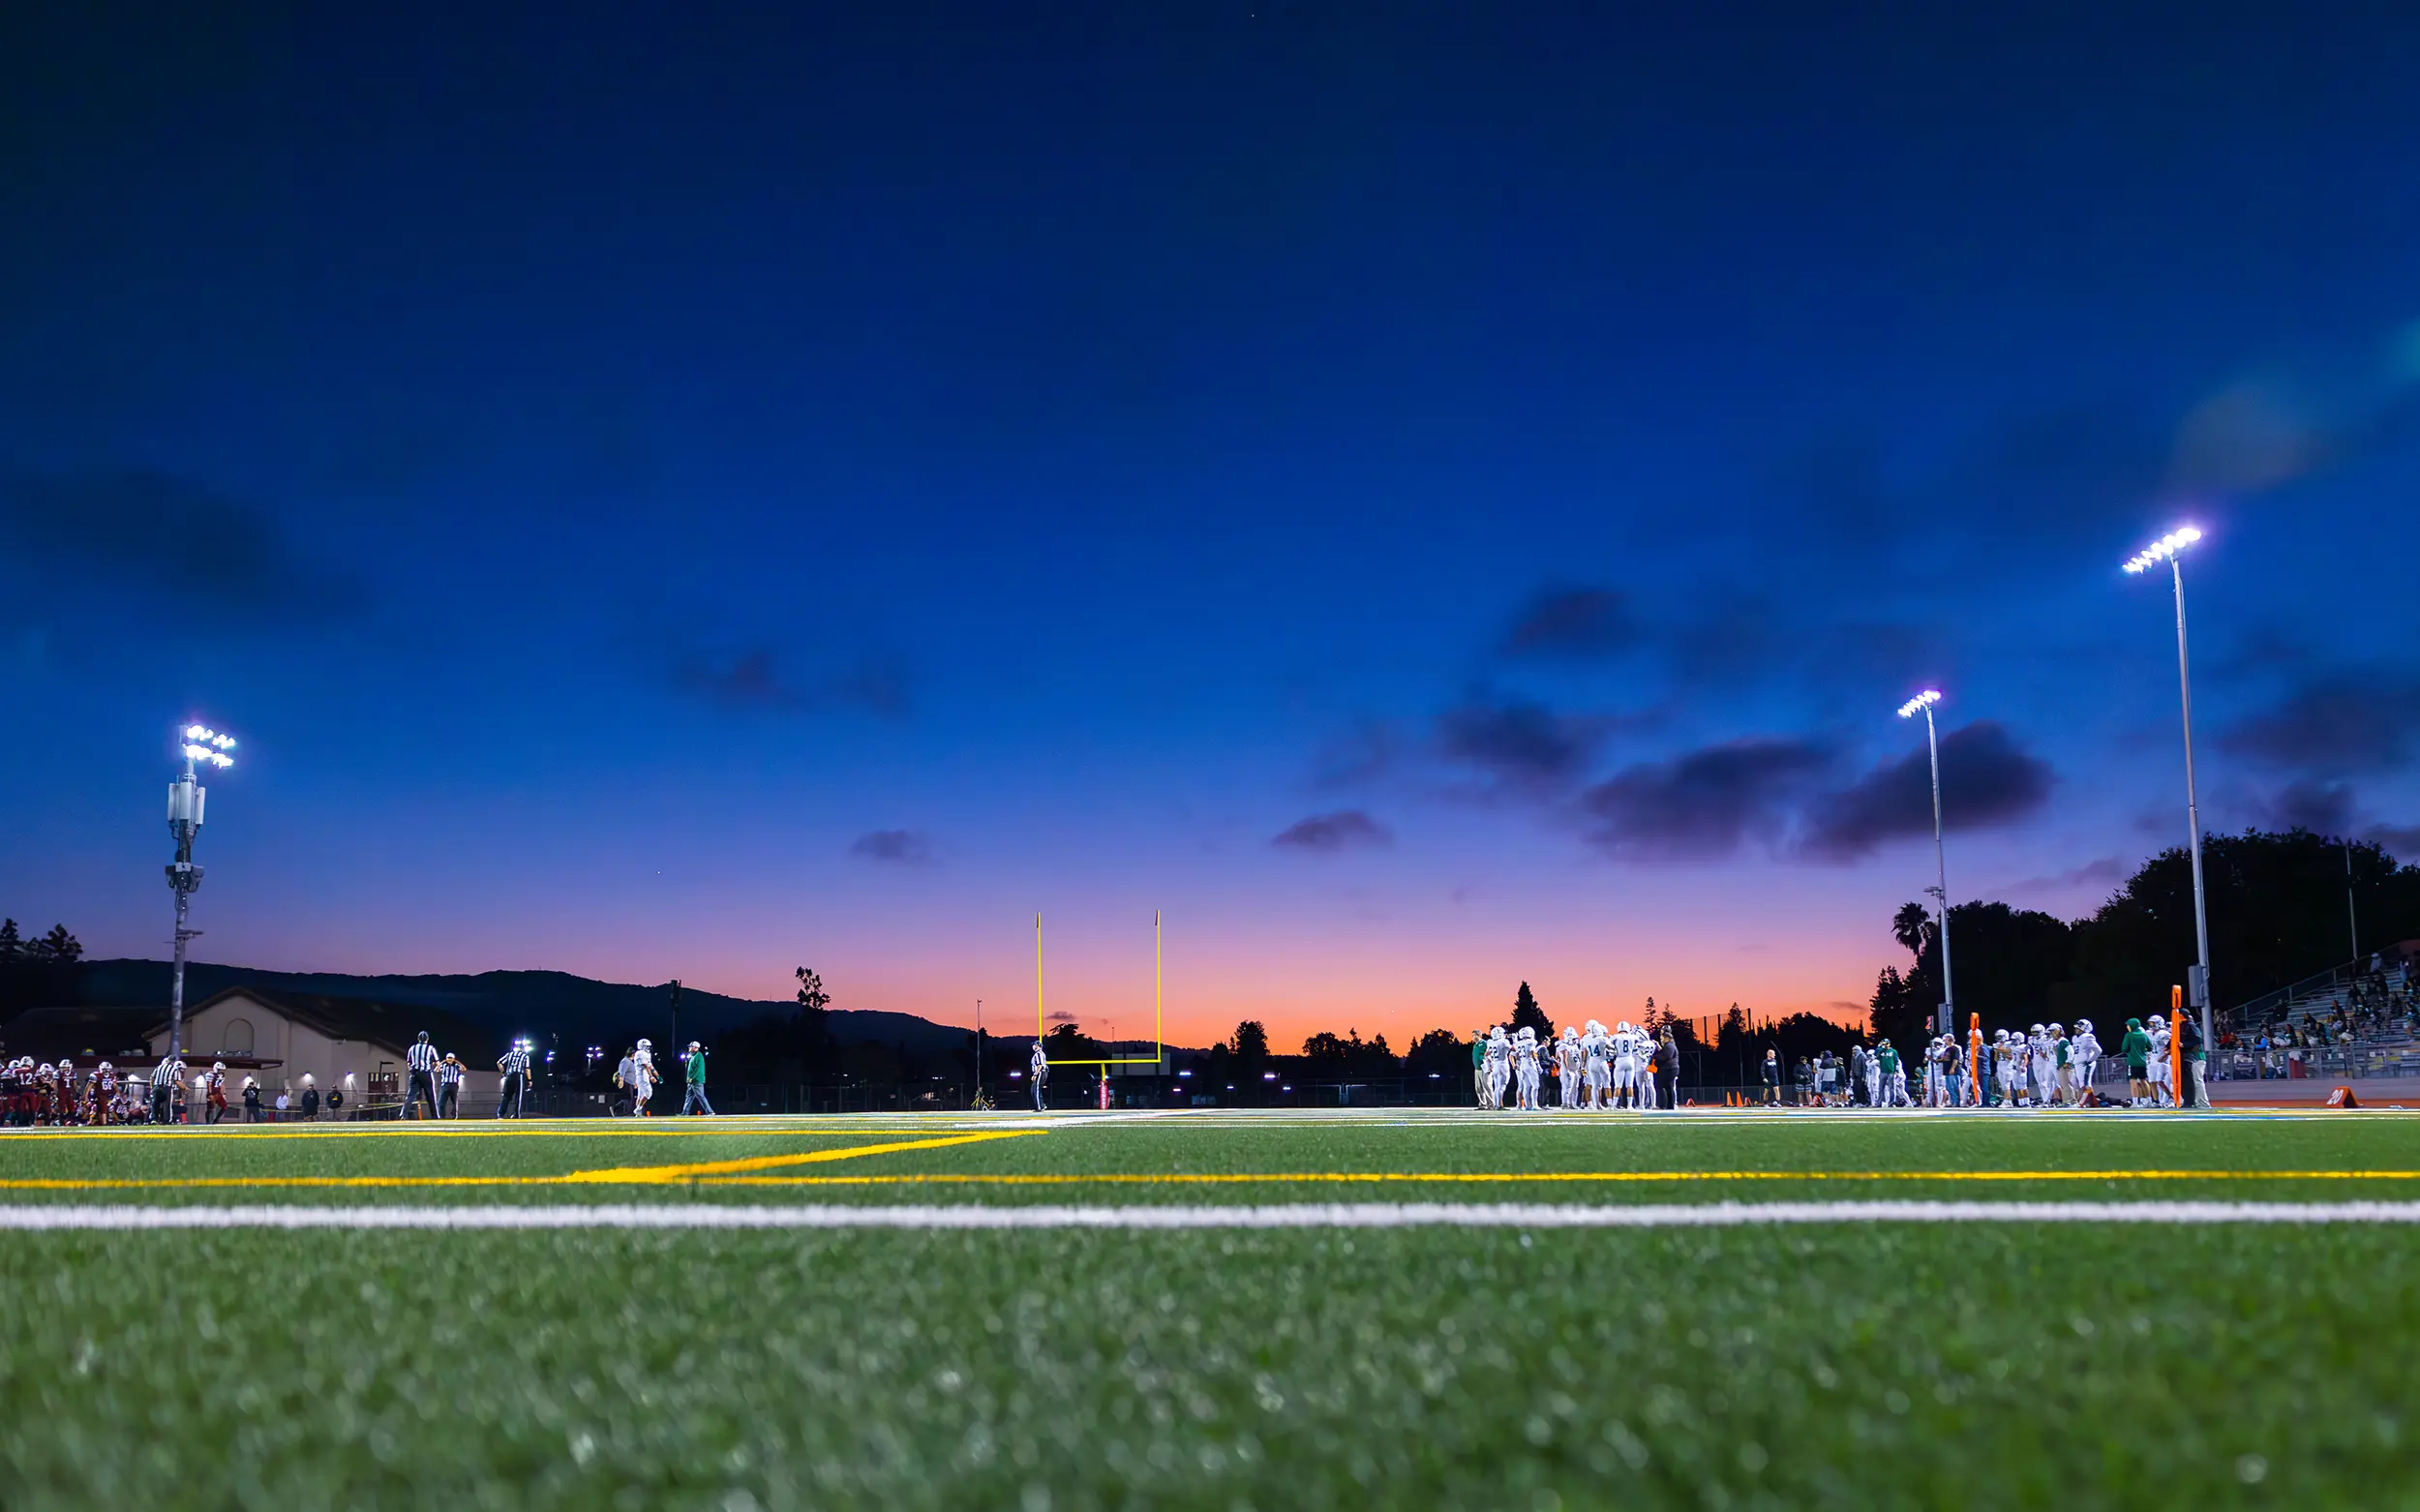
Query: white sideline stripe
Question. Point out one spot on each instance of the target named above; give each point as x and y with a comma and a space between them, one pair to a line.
1308, 1215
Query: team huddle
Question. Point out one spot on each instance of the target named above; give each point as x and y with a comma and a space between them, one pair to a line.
1631, 1068
35, 1095
1595, 1070
2043, 1067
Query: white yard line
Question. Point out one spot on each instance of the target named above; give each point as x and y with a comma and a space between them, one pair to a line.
1308, 1215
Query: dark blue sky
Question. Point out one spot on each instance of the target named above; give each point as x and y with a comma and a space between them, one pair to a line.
1427, 496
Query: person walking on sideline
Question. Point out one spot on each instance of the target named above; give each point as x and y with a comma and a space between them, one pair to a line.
515, 1065
1039, 1072
694, 1059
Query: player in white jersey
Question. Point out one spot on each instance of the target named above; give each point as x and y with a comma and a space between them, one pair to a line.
2038, 1067
1567, 1066
1498, 1066
1524, 1059
1624, 1052
2084, 1050
1596, 1064
2162, 1087
642, 1077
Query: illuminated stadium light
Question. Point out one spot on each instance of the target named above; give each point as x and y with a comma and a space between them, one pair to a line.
204, 743
1922, 701
2162, 549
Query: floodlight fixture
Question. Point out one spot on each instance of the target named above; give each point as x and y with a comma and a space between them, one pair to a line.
1920, 701
2163, 549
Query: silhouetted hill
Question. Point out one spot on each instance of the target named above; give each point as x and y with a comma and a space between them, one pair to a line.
533, 1002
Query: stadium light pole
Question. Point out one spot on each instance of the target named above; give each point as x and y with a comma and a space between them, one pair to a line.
201, 744
2171, 548
1923, 701
2352, 915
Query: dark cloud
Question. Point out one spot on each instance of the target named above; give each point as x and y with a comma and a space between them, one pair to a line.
166, 539
877, 685
1328, 833
2401, 842
2320, 808
1517, 744
2037, 484
1573, 622
2106, 871
894, 847
1985, 780
751, 679
2338, 723
1361, 754
745, 680
1702, 804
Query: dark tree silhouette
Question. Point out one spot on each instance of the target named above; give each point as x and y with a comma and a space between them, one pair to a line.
1440, 1052
1527, 1015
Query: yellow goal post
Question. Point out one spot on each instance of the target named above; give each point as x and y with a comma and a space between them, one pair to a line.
1158, 1046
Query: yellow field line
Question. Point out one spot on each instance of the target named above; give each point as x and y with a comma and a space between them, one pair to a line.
627, 1175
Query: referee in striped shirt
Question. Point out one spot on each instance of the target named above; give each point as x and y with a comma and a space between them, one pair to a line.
422, 1058
515, 1065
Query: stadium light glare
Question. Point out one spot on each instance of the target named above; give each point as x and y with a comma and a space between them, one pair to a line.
1922, 701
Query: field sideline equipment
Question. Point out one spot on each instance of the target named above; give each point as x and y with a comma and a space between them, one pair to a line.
1158, 1046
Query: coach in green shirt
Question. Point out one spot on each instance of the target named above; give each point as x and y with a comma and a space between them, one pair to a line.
2138, 1050
695, 1102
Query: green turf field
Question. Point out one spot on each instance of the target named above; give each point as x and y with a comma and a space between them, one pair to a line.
1919, 1361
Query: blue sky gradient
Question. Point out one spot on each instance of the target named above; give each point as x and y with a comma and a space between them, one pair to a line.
1427, 496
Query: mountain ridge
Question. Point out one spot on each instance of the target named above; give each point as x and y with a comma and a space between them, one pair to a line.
511, 1001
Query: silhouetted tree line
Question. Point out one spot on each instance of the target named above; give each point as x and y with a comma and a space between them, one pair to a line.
2277, 906
37, 971
1245, 1069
